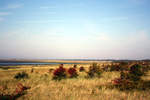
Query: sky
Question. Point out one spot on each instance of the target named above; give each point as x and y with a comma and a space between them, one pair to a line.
75, 29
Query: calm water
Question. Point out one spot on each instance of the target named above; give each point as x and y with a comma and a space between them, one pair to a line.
20, 63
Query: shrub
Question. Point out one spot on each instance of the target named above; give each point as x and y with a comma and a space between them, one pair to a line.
20, 88
81, 69
32, 70
122, 84
20, 91
75, 66
21, 75
117, 66
59, 73
134, 74
94, 70
72, 73
50, 70
124, 74
113, 67
119, 81
129, 79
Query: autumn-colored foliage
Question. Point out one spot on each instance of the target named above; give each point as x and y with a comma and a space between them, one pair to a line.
81, 69
20, 88
59, 73
72, 72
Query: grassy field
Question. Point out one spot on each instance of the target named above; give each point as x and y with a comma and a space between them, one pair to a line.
42, 87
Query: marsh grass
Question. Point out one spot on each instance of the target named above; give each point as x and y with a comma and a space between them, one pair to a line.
80, 88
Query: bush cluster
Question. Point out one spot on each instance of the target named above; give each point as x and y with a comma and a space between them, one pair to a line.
62, 73
129, 79
134, 74
94, 70
20, 90
115, 67
21, 75
120, 66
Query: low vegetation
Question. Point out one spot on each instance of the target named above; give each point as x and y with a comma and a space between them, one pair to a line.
59, 73
94, 71
72, 72
81, 69
79, 82
21, 75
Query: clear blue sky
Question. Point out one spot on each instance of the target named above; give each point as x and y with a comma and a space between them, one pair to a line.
76, 29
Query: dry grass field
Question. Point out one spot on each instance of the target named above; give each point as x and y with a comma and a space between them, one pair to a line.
42, 87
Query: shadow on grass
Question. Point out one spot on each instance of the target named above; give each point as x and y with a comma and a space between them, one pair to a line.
6, 67
11, 97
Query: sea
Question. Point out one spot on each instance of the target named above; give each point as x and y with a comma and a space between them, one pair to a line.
31, 63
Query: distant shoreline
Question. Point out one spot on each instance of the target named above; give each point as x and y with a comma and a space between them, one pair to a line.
46, 62
51, 61
63, 60
37, 63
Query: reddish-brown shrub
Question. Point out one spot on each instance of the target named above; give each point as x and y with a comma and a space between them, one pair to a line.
20, 88
119, 81
19, 92
81, 69
72, 72
75, 66
59, 73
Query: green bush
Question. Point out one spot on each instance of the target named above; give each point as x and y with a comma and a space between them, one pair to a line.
21, 75
94, 71
134, 74
129, 79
